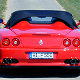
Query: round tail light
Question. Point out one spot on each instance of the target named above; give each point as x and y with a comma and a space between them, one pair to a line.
5, 41
15, 42
76, 42
67, 42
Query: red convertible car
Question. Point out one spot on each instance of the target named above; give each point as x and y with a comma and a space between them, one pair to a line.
40, 38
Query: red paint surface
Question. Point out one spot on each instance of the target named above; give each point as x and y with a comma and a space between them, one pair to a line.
29, 35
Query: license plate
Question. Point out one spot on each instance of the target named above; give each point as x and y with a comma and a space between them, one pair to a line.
41, 55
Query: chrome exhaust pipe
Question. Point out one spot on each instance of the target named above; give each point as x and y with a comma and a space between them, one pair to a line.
7, 61
76, 61
72, 61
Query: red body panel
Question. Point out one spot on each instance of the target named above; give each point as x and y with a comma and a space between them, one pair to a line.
29, 35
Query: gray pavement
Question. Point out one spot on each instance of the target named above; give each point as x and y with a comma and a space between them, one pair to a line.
49, 73
13, 5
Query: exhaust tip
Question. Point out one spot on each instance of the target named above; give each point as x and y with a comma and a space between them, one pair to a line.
76, 61
4, 61
9, 61
71, 61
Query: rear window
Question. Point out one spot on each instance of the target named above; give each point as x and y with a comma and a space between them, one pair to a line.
41, 20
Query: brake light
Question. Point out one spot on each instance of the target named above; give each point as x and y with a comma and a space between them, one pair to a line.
76, 42
15, 42
67, 42
5, 41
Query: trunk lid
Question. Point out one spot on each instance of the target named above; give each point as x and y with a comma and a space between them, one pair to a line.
42, 38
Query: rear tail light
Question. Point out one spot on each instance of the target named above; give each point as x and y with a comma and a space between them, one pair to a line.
15, 42
76, 42
5, 41
67, 42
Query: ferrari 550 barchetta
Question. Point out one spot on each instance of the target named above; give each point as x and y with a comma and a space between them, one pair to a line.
40, 38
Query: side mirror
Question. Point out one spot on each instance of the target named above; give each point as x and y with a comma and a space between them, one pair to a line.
1, 20
78, 23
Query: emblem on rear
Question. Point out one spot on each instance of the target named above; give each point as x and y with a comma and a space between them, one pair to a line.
40, 42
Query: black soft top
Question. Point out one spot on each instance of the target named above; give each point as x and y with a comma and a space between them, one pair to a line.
19, 15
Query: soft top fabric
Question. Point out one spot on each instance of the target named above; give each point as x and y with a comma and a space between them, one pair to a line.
21, 14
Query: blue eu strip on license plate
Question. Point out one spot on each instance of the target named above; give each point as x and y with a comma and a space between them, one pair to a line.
41, 55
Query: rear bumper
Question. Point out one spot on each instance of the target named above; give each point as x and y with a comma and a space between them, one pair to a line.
22, 55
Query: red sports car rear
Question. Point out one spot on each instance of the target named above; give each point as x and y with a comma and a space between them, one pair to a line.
40, 38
